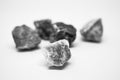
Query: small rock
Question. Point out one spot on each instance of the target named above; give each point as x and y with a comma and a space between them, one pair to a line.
57, 53
44, 28
92, 31
63, 31
25, 38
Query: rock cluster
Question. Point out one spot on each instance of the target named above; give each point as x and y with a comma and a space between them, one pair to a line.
56, 31
60, 35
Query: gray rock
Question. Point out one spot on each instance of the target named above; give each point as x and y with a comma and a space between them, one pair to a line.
92, 31
57, 53
63, 31
25, 38
44, 28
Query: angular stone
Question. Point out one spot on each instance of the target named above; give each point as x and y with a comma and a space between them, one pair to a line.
57, 53
63, 31
92, 31
25, 38
44, 28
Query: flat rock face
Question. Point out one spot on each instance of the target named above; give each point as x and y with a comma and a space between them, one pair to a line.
25, 38
57, 53
63, 31
93, 30
44, 28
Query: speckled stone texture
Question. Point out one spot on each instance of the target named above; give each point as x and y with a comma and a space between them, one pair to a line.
44, 28
63, 31
93, 30
57, 53
25, 38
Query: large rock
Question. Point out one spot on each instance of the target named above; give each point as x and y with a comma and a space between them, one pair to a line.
63, 31
57, 53
25, 38
44, 28
92, 31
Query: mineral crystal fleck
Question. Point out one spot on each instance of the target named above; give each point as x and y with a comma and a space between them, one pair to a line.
92, 31
57, 53
25, 38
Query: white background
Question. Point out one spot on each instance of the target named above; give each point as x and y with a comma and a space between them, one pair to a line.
89, 61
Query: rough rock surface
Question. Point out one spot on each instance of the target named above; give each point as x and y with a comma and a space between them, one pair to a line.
25, 38
57, 53
44, 28
63, 31
92, 31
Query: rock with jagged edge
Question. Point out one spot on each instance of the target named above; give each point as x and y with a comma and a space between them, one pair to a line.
25, 38
57, 53
93, 30
63, 31
44, 28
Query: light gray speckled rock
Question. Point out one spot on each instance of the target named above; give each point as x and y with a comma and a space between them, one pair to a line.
57, 53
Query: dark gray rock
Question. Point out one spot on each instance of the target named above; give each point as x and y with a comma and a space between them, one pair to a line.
92, 31
57, 53
63, 31
25, 38
44, 28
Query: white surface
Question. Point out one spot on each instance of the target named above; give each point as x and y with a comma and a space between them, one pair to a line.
89, 61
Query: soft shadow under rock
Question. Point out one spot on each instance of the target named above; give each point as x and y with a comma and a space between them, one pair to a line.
60, 67
91, 41
73, 45
27, 50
